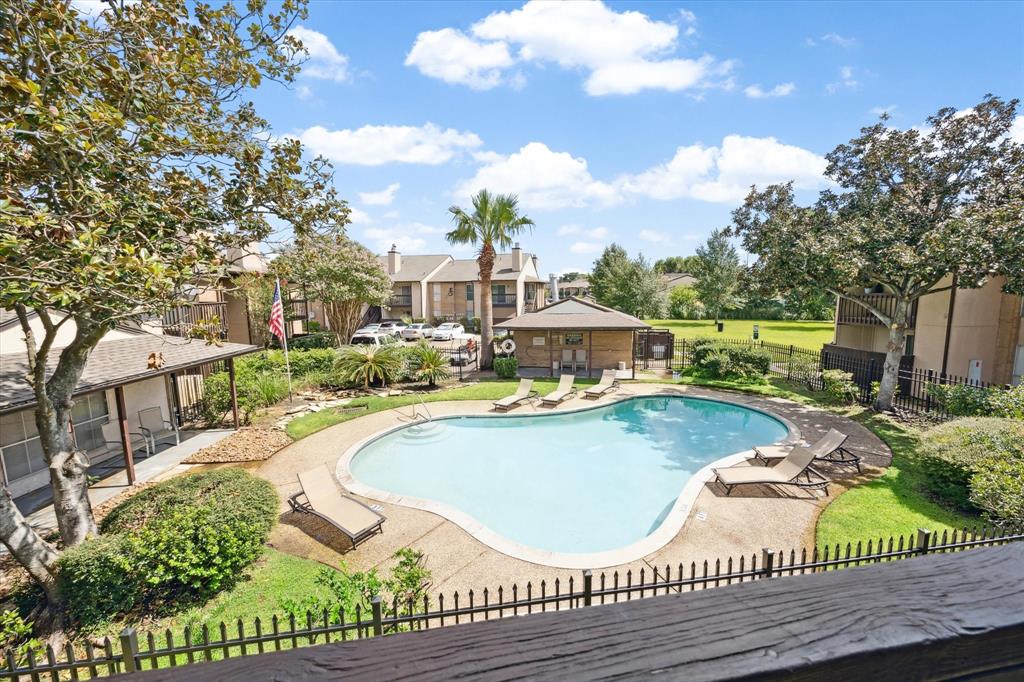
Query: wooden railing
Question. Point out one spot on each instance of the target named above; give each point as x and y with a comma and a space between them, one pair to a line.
184, 320
852, 312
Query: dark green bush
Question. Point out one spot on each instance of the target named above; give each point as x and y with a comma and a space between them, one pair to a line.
189, 536
506, 368
318, 340
730, 360
970, 401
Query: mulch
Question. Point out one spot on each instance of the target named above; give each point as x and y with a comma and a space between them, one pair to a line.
244, 445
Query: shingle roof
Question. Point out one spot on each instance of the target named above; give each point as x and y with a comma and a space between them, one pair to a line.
114, 363
575, 313
575, 284
677, 279
415, 268
466, 269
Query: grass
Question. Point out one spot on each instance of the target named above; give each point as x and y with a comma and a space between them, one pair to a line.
809, 334
897, 503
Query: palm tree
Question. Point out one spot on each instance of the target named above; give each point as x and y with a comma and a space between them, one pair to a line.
495, 220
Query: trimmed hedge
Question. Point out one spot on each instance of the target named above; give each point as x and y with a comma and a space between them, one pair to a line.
506, 368
718, 360
189, 536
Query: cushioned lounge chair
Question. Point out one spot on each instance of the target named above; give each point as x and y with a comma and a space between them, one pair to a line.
564, 391
608, 383
829, 448
795, 469
524, 393
323, 499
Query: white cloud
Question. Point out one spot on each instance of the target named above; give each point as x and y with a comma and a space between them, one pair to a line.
391, 215
384, 238
879, 111
381, 198
358, 216
623, 52
1017, 130
839, 40
324, 59
377, 145
303, 92
780, 90
453, 57
654, 236
543, 179
846, 80
595, 233
585, 247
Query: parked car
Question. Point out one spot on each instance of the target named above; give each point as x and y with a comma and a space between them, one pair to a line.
373, 339
393, 327
449, 331
418, 330
369, 329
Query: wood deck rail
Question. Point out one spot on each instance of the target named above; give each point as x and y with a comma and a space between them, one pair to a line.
935, 617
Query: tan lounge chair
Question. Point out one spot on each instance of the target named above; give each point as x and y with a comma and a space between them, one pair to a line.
323, 499
525, 392
829, 448
608, 383
787, 472
564, 391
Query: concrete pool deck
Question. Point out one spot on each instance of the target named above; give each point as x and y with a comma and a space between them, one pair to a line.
716, 527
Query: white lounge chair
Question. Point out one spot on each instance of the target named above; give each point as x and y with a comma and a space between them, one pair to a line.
524, 393
323, 499
157, 429
829, 448
607, 383
564, 391
789, 471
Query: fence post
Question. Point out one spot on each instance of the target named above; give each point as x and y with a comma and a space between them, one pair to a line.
378, 626
928, 393
789, 366
129, 649
767, 561
924, 536
588, 586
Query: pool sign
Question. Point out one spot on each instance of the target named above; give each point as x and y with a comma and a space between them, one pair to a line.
757, 331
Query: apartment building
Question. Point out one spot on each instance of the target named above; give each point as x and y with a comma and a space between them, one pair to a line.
439, 287
973, 333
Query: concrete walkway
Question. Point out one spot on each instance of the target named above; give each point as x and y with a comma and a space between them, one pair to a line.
717, 527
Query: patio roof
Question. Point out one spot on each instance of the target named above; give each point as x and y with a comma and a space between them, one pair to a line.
115, 363
575, 314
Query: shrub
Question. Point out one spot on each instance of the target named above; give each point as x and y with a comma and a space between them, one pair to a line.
97, 579
957, 455
717, 364
506, 368
804, 369
1008, 403
471, 324
16, 636
961, 400
318, 340
430, 364
730, 361
366, 365
839, 385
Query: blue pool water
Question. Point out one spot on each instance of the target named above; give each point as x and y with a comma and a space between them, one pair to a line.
588, 481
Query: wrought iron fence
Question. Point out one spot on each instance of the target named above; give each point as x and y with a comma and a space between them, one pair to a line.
131, 652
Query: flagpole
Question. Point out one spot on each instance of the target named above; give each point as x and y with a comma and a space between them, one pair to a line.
284, 344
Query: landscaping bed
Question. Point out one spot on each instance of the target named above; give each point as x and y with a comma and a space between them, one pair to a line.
244, 445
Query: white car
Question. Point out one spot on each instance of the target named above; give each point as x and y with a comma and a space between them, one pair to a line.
393, 327
449, 331
418, 330
369, 329
373, 339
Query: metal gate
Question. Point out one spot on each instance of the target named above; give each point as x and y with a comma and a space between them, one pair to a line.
653, 349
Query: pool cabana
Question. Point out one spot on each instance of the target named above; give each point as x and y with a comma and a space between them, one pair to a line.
575, 335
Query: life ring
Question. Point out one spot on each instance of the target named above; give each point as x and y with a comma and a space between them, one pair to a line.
508, 346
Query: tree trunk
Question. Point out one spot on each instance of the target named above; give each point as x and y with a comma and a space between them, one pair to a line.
893, 355
37, 556
344, 318
486, 263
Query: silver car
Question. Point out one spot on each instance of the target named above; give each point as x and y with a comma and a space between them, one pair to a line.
418, 330
393, 327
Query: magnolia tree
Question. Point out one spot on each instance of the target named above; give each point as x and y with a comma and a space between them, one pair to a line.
342, 274
910, 208
129, 162
717, 269
627, 284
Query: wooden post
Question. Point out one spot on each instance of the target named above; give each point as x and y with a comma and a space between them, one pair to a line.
234, 391
551, 357
632, 352
590, 351
588, 587
129, 649
126, 441
768, 561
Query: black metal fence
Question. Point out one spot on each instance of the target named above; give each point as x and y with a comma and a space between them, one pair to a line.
806, 366
463, 359
132, 652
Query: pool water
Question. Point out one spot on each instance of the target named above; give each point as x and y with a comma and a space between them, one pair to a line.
574, 482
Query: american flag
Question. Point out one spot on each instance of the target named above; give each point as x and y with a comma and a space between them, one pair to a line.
276, 322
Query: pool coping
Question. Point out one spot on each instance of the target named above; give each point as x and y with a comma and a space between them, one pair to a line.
666, 531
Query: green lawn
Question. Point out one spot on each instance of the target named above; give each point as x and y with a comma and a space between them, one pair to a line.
800, 333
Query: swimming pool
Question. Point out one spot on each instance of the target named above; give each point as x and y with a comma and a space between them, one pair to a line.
580, 482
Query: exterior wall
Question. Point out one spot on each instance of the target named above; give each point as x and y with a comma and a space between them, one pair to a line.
415, 309
1008, 338
449, 306
237, 317
605, 349
930, 329
12, 339
862, 337
976, 328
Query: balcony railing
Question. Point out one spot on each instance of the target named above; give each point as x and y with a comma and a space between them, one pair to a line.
185, 320
503, 299
851, 312
401, 300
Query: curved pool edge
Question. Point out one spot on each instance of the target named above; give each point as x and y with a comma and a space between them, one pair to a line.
666, 531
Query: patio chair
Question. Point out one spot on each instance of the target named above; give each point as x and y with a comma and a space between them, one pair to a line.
157, 429
524, 393
607, 383
829, 448
581, 360
789, 471
324, 500
135, 440
564, 391
567, 361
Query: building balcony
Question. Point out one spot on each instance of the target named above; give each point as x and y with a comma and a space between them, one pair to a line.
506, 300
851, 312
185, 320
400, 301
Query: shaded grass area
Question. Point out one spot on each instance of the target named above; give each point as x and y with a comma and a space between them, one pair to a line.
809, 334
896, 503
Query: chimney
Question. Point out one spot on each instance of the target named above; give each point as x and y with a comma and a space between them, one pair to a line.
553, 283
517, 257
394, 260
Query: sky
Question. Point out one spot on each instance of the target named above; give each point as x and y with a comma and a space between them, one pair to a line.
637, 123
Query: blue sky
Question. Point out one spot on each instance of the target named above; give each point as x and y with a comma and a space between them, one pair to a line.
639, 123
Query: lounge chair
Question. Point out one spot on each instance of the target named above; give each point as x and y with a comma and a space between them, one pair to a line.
829, 448
525, 392
323, 499
564, 391
787, 472
157, 429
608, 383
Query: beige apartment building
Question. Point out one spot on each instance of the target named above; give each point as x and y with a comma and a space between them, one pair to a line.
977, 334
439, 287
